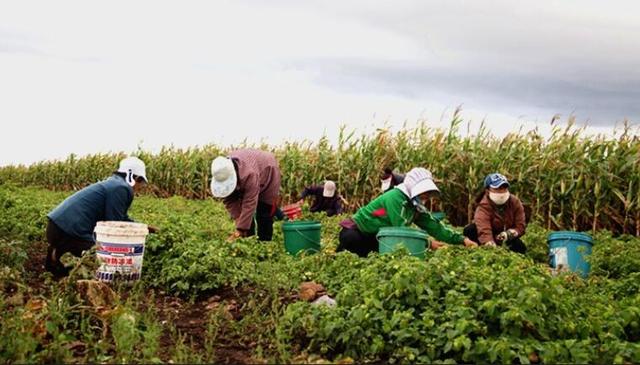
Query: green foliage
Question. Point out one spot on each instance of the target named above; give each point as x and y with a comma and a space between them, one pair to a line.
23, 212
457, 305
615, 258
464, 306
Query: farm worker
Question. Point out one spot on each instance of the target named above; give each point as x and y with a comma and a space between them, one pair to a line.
398, 207
389, 179
499, 217
71, 224
249, 182
326, 199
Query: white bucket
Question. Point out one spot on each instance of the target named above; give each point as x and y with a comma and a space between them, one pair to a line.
120, 248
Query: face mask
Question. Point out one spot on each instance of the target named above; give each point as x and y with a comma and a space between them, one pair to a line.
499, 198
130, 179
419, 205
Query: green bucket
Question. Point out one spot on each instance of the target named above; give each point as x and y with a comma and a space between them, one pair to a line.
391, 238
301, 236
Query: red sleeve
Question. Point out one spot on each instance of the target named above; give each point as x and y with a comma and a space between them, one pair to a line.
249, 202
482, 218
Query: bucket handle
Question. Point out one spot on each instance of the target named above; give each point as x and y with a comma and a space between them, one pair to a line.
305, 237
393, 248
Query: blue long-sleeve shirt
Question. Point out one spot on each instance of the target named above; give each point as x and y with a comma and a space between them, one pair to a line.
107, 200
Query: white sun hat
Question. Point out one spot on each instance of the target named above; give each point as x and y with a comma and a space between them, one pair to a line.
132, 166
224, 179
386, 183
329, 189
418, 181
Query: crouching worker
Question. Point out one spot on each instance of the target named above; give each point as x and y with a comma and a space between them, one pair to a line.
400, 206
71, 224
499, 217
249, 182
326, 199
389, 179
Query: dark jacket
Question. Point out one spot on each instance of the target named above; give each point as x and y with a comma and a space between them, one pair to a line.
491, 219
107, 200
332, 205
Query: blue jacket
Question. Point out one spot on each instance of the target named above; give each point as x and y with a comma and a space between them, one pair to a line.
107, 200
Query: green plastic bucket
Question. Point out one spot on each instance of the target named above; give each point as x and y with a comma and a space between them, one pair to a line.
301, 236
392, 238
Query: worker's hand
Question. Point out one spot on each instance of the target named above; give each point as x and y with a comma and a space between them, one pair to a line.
153, 229
490, 244
300, 202
469, 243
436, 245
235, 235
511, 234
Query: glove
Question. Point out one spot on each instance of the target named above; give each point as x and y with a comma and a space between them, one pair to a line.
502, 236
507, 235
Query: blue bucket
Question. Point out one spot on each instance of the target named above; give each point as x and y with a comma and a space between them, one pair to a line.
569, 250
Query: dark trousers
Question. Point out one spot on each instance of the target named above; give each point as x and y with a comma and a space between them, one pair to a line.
515, 245
352, 239
264, 218
59, 244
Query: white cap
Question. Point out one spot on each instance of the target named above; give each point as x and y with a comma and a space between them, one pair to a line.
132, 166
418, 181
329, 189
386, 183
224, 179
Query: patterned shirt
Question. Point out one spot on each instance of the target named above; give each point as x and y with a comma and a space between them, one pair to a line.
258, 180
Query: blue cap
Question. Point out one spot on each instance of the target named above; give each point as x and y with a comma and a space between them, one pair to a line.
495, 181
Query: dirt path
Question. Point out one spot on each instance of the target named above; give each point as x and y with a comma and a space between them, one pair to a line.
34, 268
192, 320
188, 319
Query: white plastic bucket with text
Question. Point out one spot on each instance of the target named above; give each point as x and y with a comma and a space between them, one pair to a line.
120, 249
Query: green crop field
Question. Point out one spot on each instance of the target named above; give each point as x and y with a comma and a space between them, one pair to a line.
202, 299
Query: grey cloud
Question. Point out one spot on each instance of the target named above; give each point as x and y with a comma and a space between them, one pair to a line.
504, 56
497, 90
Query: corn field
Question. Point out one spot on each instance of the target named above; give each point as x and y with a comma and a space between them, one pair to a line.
566, 181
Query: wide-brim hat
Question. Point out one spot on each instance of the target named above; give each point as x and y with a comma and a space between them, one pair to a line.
224, 179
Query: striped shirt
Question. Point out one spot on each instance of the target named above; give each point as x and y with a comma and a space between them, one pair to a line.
258, 180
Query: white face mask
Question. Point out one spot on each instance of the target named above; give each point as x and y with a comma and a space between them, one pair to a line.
499, 198
420, 205
130, 179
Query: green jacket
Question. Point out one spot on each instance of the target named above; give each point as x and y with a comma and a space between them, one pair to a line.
394, 209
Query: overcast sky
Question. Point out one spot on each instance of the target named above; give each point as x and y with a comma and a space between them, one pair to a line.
88, 76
